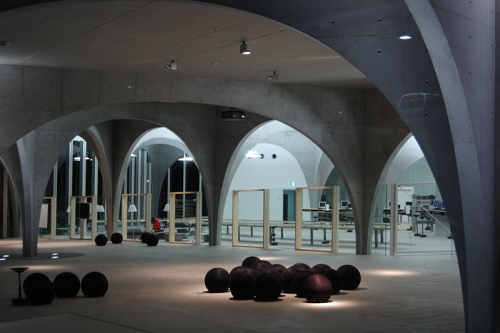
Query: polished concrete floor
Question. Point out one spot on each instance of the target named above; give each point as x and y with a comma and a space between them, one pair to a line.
161, 289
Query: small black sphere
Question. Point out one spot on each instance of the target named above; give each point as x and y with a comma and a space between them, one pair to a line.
249, 261
351, 277
144, 236
300, 266
287, 279
152, 240
101, 240
267, 287
261, 265
298, 282
236, 269
335, 280
320, 268
116, 238
39, 289
317, 288
279, 267
94, 284
66, 284
217, 280
241, 285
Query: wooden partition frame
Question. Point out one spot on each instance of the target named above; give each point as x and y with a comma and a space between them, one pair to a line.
53, 216
124, 212
299, 201
266, 232
171, 218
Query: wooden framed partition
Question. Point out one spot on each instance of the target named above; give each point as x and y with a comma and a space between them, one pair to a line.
266, 232
328, 225
124, 212
172, 217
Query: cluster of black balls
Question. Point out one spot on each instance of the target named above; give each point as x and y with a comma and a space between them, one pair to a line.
149, 239
262, 281
39, 290
102, 240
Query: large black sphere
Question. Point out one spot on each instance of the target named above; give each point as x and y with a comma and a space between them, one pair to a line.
116, 238
217, 280
94, 284
152, 240
241, 285
101, 240
298, 282
249, 261
351, 277
335, 280
144, 236
267, 287
39, 289
317, 288
66, 284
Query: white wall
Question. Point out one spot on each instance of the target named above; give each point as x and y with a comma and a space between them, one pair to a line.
267, 173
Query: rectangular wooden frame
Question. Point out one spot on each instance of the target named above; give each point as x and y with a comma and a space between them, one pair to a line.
171, 218
147, 224
299, 200
266, 232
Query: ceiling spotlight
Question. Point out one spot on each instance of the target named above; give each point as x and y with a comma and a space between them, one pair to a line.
273, 76
244, 49
172, 66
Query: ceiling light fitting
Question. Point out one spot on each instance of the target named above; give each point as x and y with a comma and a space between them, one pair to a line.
186, 157
405, 37
273, 76
172, 66
244, 48
254, 154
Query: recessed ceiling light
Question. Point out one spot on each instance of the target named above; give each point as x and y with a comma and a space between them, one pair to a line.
244, 48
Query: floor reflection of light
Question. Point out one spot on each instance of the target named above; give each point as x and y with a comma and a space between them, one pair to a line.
332, 303
391, 272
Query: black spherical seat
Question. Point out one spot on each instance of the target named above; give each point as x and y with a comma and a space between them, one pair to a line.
39, 289
279, 267
241, 285
101, 240
236, 269
320, 268
267, 287
152, 240
317, 288
300, 266
248, 261
217, 280
66, 285
298, 282
144, 237
351, 277
261, 265
116, 238
94, 284
335, 280
287, 279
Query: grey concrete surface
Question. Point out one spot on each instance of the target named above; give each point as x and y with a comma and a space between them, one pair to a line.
161, 289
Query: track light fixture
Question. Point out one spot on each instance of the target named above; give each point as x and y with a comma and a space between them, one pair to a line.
172, 65
244, 48
273, 76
